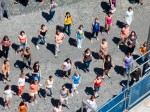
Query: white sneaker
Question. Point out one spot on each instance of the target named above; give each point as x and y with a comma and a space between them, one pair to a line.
35, 101
76, 91
46, 44
40, 84
32, 104
37, 47
71, 94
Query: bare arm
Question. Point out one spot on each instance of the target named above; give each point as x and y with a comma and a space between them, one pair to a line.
93, 84
39, 33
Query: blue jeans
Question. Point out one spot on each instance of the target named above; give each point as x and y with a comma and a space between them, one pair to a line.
126, 70
87, 64
142, 59
41, 39
36, 76
68, 26
96, 89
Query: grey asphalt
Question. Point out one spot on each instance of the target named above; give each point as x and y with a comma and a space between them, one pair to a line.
83, 12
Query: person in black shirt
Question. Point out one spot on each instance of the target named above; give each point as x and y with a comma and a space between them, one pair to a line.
107, 64
135, 76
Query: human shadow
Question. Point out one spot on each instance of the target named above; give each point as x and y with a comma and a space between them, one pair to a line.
1, 76
14, 88
120, 24
60, 28
48, 17
123, 48
23, 2
135, 56
2, 101
101, 28
79, 65
59, 73
26, 97
54, 102
19, 64
29, 78
87, 35
72, 42
42, 93
95, 55
51, 47
98, 71
34, 40
119, 70
80, 110
105, 6
68, 86
116, 40
15, 46
89, 91
123, 83
133, 1
5, 15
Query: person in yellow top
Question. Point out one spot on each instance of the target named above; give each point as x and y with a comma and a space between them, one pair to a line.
67, 23
143, 50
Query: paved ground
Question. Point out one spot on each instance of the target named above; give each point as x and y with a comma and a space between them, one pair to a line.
84, 13
144, 106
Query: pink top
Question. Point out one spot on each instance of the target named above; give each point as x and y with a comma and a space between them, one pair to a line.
22, 38
108, 20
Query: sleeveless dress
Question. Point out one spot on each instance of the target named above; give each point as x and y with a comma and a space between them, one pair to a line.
128, 17
96, 27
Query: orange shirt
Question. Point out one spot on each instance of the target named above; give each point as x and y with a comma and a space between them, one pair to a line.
33, 88
23, 108
143, 50
5, 68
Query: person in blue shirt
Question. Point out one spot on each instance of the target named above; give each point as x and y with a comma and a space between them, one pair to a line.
80, 36
76, 80
95, 29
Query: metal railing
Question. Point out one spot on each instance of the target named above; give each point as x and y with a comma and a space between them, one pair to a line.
131, 95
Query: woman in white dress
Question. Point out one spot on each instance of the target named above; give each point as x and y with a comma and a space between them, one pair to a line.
7, 96
129, 16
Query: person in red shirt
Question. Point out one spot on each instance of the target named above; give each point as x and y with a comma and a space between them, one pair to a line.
33, 91
96, 85
5, 46
22, 38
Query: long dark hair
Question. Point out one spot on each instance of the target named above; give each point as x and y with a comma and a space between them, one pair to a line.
5, 38
22, 103
22, 32
7, 87
5, 61
87, 50
134, 34
67, 14
37, 62
68, 60
108, 56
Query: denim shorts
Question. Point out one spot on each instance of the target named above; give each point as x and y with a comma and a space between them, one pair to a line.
96, 89
22, 44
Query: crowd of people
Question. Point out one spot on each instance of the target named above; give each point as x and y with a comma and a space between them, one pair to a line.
127, 37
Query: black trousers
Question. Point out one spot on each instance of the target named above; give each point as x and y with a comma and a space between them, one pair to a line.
67, 73
5, 53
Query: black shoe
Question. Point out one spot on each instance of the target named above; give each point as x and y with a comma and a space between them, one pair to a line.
87, 70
